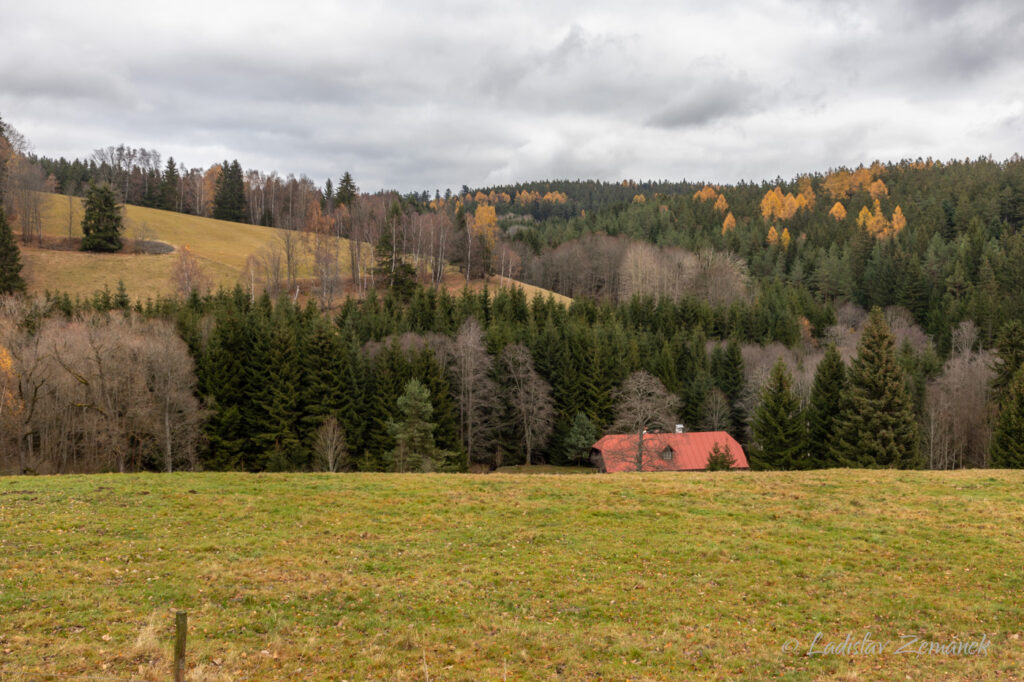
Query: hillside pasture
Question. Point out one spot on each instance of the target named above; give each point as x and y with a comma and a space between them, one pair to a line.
462, 577
221, 248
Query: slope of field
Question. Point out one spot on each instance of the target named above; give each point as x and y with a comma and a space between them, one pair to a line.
647, 577
221, 248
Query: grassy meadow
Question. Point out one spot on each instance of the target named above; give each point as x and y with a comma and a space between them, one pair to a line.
461, 577
221, 248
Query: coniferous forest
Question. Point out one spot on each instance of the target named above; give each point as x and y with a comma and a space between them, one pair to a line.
867, 317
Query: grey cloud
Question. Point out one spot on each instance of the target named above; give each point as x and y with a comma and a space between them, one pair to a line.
416, 96
705, 104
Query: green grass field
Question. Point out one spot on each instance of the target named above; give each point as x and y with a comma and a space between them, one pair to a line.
462, 577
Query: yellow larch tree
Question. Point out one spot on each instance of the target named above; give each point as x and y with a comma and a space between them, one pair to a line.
10, 403
721, 205
806, 190
838, 211
781, 206
728, 224
771, 203
784, 238
874, 221
485, 224
773, 236
877, 189
706, 193
899, 221
639, 199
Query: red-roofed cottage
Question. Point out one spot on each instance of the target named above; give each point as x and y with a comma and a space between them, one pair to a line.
617, 453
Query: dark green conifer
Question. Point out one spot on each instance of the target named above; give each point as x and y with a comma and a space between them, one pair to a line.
824, 407
413, 430
229, 197
780, 437
11, 281
877, 426
1007, 450
101, 224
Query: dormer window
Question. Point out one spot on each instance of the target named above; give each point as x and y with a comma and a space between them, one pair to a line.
666, 454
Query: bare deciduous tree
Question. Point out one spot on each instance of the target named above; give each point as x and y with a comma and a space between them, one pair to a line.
104, 394
958, 414
329, 447
530, 398
188, 275
476, 390
644, 404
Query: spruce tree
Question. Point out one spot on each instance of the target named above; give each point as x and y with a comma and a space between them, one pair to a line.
10, 258
221, 371
580, 438
413, 431
780, 437
429, 371
229, 198
101, 224
877, 426
727, 370
824, 407
1009, 357
169, 186
1007, 449
347, 190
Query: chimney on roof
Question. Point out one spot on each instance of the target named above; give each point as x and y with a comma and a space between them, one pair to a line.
680, 428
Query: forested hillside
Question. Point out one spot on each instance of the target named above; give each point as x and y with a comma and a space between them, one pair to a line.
747, 304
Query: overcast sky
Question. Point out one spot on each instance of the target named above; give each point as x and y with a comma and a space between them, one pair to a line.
420, 95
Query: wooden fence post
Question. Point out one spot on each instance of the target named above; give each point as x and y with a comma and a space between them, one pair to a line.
180, 628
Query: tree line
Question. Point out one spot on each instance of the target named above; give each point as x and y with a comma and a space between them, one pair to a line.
474, 381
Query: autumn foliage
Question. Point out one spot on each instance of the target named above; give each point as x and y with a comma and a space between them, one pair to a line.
706, 193
843, 183
838, 211
874, 222
781, 206
729, 223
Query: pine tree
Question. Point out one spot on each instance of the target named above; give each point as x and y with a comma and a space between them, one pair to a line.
727, 370
1007, 449
413, 431
780, 437
824, 407
221, 371
10, 258
229, 198
169, 186
429, 371
877, 426
1009, 357
347, 190
277, 410
580, 438
101, 224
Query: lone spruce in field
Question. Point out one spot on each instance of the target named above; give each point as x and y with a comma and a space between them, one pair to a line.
877, 426
101, 224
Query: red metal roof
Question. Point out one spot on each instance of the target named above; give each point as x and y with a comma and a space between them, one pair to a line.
667, 451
